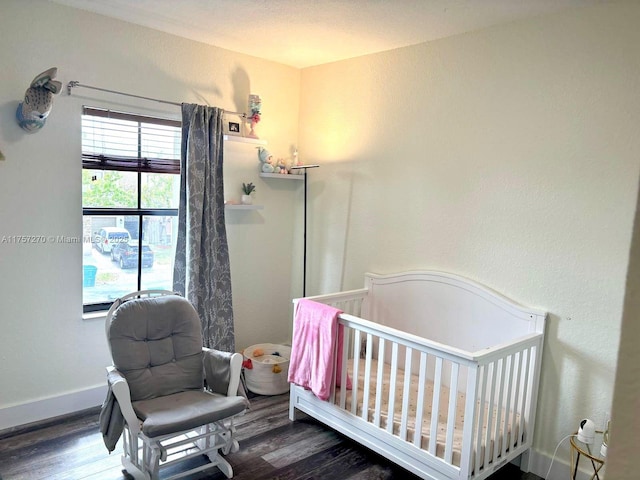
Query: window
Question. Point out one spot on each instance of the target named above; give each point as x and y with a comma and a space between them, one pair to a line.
130, 192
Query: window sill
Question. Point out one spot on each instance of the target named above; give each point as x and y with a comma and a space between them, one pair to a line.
99, 315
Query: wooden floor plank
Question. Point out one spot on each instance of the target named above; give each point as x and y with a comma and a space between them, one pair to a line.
271, 448
300, 450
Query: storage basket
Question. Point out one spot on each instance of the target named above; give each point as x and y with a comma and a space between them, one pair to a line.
266, 366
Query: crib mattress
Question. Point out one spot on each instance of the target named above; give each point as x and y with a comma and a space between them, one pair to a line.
427, 413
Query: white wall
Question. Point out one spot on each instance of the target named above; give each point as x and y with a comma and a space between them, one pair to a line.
508, 155
46, 349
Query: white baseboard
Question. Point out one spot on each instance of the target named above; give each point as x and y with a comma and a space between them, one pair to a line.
561, 469
39, 410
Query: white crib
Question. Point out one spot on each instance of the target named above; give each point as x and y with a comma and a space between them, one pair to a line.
422, 342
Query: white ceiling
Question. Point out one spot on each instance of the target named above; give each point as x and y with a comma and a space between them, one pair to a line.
303, 33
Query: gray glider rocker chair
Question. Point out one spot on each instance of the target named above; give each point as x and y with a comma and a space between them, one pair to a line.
157, 397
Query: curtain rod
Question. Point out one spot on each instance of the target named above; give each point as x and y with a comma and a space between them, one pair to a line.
75, 83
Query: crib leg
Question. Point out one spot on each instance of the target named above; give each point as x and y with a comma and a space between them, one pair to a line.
525, 461
292, 409
292, 412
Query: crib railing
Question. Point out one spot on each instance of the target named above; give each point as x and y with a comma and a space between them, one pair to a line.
507, 382
350, 302
493, 387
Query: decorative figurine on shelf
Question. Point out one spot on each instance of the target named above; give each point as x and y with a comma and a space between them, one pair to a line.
266, 159
255, 110
297, 163
247, 189
32, 113
281, 167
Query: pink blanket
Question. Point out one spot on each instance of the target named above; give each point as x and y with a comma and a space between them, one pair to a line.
314, 344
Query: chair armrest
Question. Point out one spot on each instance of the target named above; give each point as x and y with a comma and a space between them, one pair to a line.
120, 389
222, 371
236, 370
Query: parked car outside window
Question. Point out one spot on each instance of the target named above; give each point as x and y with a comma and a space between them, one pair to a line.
108, 237
126, 254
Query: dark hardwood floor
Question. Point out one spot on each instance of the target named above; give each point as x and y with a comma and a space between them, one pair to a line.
271, 447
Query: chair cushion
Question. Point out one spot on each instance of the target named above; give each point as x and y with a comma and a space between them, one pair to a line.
184, 411
157, 345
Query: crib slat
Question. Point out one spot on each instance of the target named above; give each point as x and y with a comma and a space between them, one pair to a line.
379, 383
345, 360
392, 383
507, 440
525, 388
470, 412
496, 435
356, 368
515, 439
451, 414
435, 407
406, 393
530, 411
346, 306
422, 380
479, 435
492, 397
334, 377
367, 378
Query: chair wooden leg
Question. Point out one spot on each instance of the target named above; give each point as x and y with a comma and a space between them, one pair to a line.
225, 467
153, 466
133, 470
221, 463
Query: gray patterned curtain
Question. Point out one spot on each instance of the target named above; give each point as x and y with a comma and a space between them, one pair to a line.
202, 273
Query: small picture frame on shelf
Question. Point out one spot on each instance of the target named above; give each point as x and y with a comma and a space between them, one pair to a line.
233, 124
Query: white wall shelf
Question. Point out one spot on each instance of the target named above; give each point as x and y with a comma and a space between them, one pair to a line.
255, 141
282, 176
243, 207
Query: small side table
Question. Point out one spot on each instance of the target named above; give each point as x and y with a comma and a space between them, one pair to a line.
590, 452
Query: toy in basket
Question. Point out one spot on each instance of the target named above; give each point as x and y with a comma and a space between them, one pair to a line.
266, 367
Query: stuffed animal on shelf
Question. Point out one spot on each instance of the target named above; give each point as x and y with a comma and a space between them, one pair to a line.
266, 159
32, 113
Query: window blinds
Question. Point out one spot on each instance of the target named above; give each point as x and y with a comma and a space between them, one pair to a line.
121, 141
